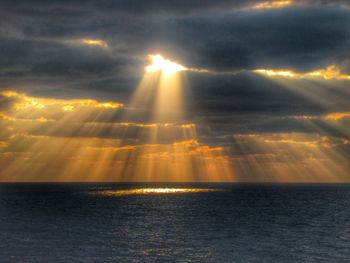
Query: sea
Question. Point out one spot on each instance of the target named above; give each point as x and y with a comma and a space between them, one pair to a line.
89, 222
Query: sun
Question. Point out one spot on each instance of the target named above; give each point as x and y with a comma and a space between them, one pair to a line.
159, 63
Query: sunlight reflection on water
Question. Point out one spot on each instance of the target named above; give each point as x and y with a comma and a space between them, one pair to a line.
155, 191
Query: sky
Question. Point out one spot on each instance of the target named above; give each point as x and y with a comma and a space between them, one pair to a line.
261, 93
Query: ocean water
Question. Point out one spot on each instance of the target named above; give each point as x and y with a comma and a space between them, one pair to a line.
174, 223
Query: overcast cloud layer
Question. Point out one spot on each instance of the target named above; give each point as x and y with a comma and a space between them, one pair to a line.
41, 55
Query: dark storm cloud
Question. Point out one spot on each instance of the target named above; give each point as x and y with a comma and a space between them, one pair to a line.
251, 93
37, 54
133, 7
145, 7
301, 38
49, 58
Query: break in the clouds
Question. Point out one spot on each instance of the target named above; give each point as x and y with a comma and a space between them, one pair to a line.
257, 71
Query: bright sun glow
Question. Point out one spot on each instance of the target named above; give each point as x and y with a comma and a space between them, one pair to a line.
159, 63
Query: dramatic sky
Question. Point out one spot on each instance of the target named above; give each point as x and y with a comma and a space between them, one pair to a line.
264, 95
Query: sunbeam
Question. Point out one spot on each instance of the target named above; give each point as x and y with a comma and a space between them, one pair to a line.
79, 140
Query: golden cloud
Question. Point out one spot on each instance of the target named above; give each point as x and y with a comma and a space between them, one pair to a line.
25, 102
295, 139
6, 117
334, 116
273, 4
337, 116
331, 72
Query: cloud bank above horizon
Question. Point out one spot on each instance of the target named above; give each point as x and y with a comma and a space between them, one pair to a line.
267, 90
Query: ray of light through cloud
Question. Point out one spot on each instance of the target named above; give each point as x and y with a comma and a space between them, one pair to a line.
231, 91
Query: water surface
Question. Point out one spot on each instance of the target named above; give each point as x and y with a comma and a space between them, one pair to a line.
174, 223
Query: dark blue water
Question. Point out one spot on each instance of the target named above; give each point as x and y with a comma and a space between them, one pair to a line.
231, 223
